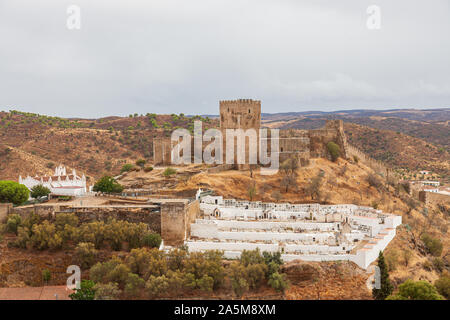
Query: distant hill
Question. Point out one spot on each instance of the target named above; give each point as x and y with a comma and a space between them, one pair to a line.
35, 143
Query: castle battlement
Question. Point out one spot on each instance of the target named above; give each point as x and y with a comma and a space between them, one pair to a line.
240, 102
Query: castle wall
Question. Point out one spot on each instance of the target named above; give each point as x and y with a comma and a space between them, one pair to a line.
176, 218
434, 197
5, 208
136, 214
375, 165
299, 144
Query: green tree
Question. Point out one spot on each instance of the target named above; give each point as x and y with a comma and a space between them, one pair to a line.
107, 291
334, 150
14, 192
386, 287
249, 257
86, 291
238, 279
39, 191
156, 286
152, 240
45, 236
133, 285
278, 281
416, 290
107, 184
85, 254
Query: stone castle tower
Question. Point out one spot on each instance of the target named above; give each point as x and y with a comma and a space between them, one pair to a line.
240, 114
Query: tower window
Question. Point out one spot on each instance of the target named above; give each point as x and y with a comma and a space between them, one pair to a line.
248, 110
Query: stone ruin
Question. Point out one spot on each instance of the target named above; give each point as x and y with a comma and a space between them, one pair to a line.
293, 143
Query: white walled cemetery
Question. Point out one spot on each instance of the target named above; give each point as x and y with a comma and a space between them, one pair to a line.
309, 232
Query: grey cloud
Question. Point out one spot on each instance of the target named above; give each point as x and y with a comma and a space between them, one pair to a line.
172, 56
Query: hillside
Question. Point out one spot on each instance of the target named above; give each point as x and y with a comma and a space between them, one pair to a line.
341, 182
95, 146
395, 148
36, 143
430, 125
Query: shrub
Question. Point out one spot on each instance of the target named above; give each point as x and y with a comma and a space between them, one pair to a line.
133, 285
256, 274
152, 240
419, 290
392, 260
141, 163
85, 254
63, 219
334, 150
433, 245
278, 281
176, 281
14, 192
111, 271
39, 191
46, 275
45, 236
238, 281
169, 171
86, 291
148, 169
13, 223
205, 283
443, 285
156, 285
126, 167
108, 291
251, 257
108, 184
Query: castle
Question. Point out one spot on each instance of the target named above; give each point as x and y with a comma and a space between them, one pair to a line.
60, 183
293, 143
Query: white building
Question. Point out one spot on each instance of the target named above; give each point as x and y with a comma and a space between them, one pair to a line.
61, 183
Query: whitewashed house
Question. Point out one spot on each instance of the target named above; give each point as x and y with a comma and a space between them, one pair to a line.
61, 183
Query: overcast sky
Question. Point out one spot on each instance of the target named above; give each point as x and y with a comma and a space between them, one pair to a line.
172, 56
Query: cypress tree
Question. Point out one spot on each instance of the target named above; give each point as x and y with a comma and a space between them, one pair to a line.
386, 287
